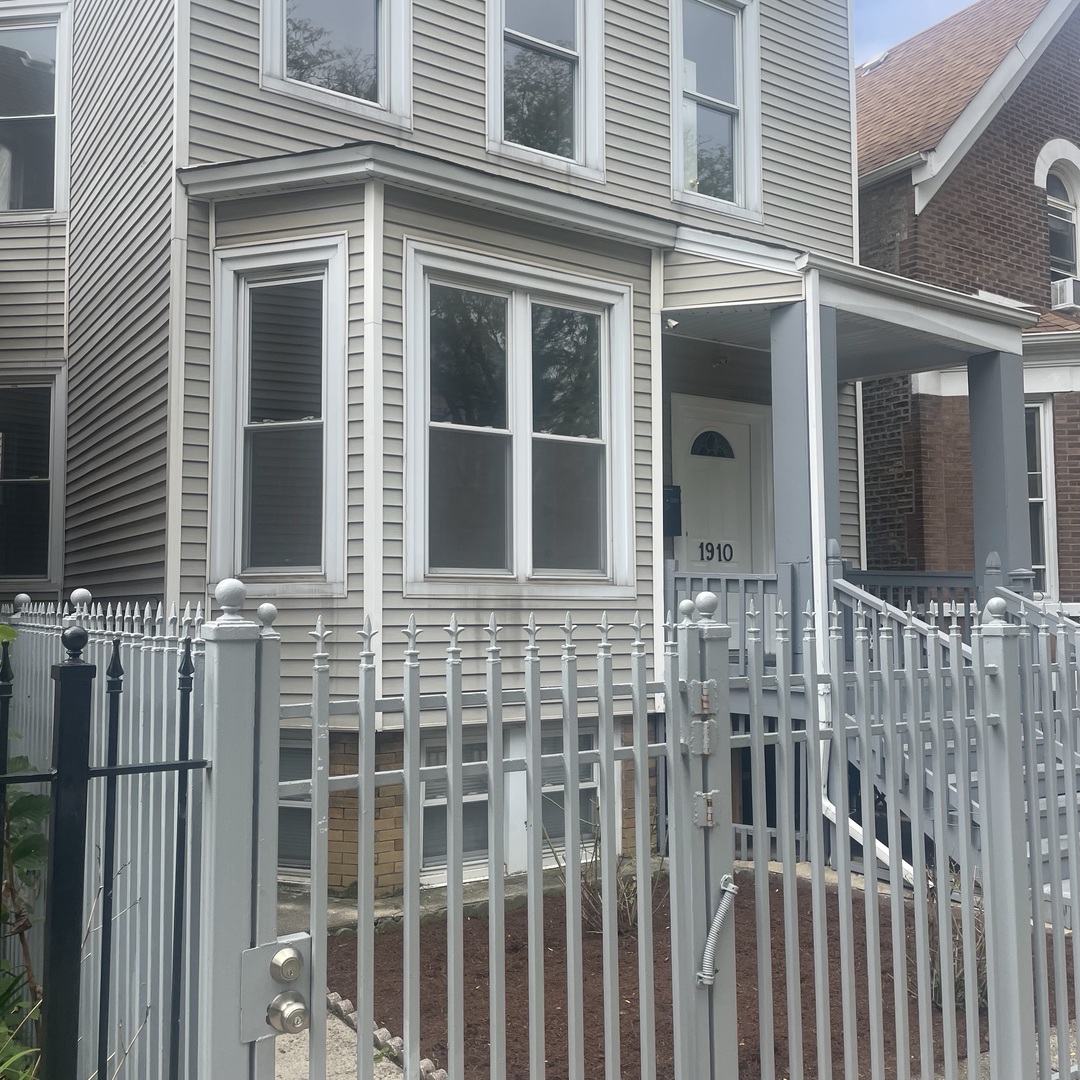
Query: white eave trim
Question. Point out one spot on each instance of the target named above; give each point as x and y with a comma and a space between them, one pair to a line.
734, 249
358, 163
841, 279
1057, 348
892, 169
985, 105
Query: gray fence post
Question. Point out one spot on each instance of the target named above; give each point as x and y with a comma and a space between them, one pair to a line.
712, 850
1007, 906
991, 580
228, 812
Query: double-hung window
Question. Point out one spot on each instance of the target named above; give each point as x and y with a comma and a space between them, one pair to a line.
30, 503
278, 476
33, 104
348, 54
1061, 215
520, 408
1042, 515
546, 75
717, 102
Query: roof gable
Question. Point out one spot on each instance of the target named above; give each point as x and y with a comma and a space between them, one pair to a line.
908, 101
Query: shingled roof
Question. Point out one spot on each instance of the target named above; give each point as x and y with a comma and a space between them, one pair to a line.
908, 100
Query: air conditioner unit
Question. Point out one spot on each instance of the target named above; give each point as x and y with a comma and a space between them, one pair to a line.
1065, 294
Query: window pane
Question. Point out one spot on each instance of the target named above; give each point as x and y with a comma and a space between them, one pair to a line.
283, 504
1038, 541
334, 44
25, 422
286, 351
1062, 245
28, 71
566, 372
538, 107
568, 506
474, 831
24, 528
555, 820
709, 51
710, 148
469, 499
27, 152
552, 20
1031, 425
1056, 189
468, 357
294, 837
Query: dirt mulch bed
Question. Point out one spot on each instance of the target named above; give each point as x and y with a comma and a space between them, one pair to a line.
388, 989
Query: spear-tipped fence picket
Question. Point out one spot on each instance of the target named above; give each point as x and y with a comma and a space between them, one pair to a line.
921, 954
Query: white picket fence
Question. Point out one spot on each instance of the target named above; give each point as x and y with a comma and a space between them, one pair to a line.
921, 958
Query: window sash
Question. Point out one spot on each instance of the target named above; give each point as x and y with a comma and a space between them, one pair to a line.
519, 489
1039, 465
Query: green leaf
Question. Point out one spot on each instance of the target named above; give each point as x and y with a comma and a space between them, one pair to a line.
19, 763
28, 853
7, 633
29, 808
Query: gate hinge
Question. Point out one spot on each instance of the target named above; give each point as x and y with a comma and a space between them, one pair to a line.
704, 697
704, 813
703, 735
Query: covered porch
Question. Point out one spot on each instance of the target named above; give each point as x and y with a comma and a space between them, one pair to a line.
779, 359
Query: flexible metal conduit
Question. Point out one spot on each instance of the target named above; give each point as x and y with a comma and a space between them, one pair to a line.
723, 909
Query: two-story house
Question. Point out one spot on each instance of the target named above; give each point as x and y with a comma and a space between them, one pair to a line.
969, 163
433, 306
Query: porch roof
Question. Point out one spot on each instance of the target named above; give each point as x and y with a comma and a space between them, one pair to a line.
885, 324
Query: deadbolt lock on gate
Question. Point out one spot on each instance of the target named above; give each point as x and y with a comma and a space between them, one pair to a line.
275, 988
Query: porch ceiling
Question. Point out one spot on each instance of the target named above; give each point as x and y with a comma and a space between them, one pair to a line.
884, 325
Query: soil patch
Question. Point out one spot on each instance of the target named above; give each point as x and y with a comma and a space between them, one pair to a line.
433, 1028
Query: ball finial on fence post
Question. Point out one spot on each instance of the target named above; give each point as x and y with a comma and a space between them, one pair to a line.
707, 603
231, 594
74, 640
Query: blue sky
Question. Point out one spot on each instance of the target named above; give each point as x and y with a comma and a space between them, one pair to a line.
881, 23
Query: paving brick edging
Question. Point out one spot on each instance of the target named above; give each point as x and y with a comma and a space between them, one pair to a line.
384, 1042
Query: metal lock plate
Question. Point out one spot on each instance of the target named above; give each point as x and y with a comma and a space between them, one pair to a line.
264, 982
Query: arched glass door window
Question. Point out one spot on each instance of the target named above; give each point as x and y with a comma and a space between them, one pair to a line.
1061, 212
711, 444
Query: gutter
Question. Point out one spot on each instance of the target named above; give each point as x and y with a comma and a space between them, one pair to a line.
893, 169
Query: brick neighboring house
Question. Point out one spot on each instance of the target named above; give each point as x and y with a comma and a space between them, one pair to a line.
969, 165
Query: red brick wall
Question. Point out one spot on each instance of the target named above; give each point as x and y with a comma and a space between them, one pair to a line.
985, 229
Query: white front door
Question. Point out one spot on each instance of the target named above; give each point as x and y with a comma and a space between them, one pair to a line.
721, 458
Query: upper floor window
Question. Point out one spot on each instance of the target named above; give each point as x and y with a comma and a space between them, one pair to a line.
546, 69
349, 54
519, 440
717, 102
33, 153
278, 508
1061, 212
1042, 514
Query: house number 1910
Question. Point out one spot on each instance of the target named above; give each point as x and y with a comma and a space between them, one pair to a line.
710, 552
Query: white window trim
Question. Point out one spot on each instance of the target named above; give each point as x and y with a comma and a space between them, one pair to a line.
617, 392
1046, 436
58, 15
233, 267
394, 106
588, 162
748, 198
54, 375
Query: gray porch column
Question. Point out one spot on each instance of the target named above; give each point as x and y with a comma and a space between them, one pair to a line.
999, 462
798, 426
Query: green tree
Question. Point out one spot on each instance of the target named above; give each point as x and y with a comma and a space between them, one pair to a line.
311, 58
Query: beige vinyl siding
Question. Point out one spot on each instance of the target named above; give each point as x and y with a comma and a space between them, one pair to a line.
332, 211
32, 274
692, 281
806, 124
848, 431
806, 141
424, 220
121, 188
